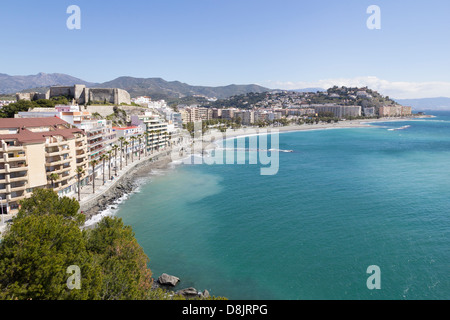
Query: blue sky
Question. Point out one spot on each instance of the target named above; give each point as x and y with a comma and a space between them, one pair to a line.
279, 44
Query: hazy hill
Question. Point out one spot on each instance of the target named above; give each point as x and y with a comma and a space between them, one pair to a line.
157, 88
440, 103
13, 84
176, 89
310, 90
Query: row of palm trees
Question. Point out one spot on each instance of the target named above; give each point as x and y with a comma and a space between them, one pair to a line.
124, 145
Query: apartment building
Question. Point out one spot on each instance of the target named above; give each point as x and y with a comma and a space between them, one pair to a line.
394, 111
247, 116
228, 114
301, 111
193, 114
369, 112
133, 135
39, 153
339, 111
156, 128
100, 135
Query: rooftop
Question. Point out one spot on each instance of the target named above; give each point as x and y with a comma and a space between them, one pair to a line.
26, 136
31, 122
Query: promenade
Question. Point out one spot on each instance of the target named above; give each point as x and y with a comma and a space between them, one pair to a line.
102, 186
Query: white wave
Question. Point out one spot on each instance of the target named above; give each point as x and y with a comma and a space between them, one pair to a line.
401, 128
254, 150
425, 120
111, 210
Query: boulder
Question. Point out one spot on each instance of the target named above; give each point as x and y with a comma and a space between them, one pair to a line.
168, 280
189, 292
205, 294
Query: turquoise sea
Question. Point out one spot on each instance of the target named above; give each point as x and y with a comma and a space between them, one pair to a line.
343, 200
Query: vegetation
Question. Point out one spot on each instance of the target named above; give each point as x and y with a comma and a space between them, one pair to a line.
24, 105
118, 117
46, 237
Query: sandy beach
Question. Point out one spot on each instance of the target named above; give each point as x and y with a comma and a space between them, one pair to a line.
215, 136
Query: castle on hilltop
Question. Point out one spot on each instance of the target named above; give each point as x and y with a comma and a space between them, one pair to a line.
81, 94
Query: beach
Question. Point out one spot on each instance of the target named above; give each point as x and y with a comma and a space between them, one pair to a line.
127, 180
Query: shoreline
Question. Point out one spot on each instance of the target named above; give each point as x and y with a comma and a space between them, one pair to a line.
125, 185
128, 184
94, 205
251, 131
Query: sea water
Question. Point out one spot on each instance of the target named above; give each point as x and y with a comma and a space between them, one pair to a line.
342, 201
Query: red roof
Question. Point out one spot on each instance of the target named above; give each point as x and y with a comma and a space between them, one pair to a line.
124, 128
26, 136
30, 122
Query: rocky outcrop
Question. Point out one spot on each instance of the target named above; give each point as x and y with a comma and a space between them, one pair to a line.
191, 293
165, 281
168, 280
126, 185
188, 292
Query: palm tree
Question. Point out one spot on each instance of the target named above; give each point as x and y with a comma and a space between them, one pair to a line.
126, 143
53, 177
153, 132
132, 138
109, 163
158, 132
122, 140
103, 158
80, 172
146, 142
115, 147
165, 138
140, 145
93, 164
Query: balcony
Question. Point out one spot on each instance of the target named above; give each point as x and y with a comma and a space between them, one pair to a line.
17, 179
57, 153
58, 162
16, 169
57, 144
15, 197
80, 138
13, 159
64, 178
82, 162
58, 171
95, 135
14, 148
19, 188
80, 147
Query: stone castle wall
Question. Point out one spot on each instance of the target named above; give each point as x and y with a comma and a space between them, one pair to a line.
32, 96
81, 94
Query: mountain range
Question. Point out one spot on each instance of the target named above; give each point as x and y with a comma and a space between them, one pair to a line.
440, 103
154, 87
159, 88
12, 84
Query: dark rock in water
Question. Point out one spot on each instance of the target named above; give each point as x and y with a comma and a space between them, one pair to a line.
189, 292
168, 280
205, 294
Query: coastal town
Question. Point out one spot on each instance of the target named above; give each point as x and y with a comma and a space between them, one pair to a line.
81, 147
